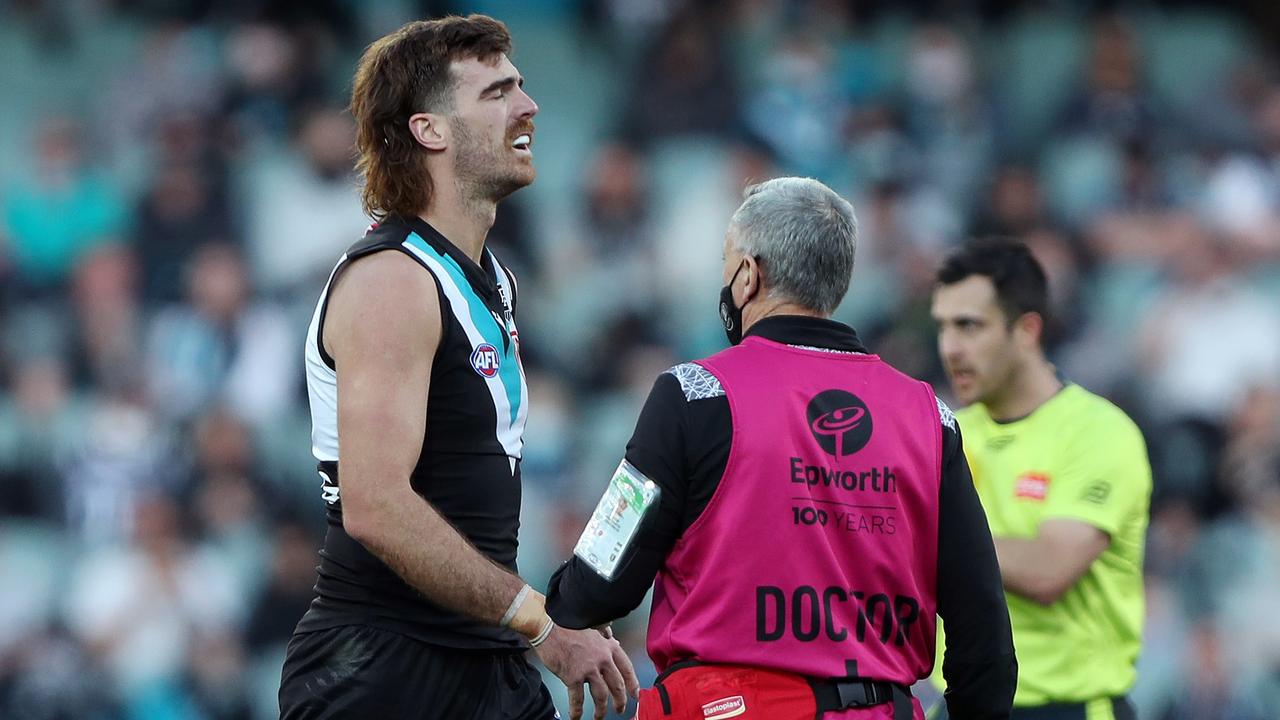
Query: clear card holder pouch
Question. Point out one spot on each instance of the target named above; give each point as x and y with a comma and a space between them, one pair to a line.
616, 519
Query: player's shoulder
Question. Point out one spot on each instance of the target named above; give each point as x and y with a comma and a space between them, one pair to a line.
380, 276
379, 273
386, 282
387, 233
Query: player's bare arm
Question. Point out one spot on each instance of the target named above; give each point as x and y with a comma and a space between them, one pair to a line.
1043, 568
382, 329
383, 347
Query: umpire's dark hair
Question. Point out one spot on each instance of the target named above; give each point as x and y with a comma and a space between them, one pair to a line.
1019, 279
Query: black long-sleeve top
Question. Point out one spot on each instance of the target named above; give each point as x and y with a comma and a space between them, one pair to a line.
683, 445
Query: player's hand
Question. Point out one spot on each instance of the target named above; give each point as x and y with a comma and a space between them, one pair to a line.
586, 656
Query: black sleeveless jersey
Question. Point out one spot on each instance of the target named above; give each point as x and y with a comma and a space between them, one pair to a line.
469, 467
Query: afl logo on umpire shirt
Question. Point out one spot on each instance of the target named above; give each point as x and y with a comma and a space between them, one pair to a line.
840, 422
484, 360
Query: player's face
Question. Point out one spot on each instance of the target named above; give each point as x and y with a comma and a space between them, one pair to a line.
975, 340
492, 125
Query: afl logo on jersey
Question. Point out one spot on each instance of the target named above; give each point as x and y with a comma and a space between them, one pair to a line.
484, 360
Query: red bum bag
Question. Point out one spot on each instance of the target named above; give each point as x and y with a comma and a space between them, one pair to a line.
720, 692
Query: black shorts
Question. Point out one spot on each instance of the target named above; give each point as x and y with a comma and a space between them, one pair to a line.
357, 671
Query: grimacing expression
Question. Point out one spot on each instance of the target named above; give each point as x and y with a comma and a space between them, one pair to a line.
492, 125
975, 339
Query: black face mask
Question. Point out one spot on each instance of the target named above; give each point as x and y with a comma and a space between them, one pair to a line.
730, 314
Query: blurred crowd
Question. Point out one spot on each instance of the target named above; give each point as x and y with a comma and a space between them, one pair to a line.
175, 185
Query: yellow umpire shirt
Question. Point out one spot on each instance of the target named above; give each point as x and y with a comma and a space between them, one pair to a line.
1079, 457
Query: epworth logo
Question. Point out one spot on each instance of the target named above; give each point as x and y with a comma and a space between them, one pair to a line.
840, 422
485, 359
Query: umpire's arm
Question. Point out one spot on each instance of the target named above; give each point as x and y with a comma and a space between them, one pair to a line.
979, 666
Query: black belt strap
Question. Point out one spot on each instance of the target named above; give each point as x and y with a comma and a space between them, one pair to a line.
832, 695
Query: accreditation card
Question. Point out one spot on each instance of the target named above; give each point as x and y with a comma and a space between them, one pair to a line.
617, 517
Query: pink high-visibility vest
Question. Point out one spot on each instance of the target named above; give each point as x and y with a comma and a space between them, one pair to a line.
818, 552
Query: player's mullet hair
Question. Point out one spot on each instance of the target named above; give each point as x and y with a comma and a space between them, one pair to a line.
400, 74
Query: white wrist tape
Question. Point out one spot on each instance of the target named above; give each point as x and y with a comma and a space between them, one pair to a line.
514, 607
543, 634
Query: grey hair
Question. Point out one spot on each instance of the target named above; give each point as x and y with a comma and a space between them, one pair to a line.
804, 235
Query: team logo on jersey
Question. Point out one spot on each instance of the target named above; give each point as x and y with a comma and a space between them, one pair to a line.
485, 359
840, 422
1032, 486
724, 708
